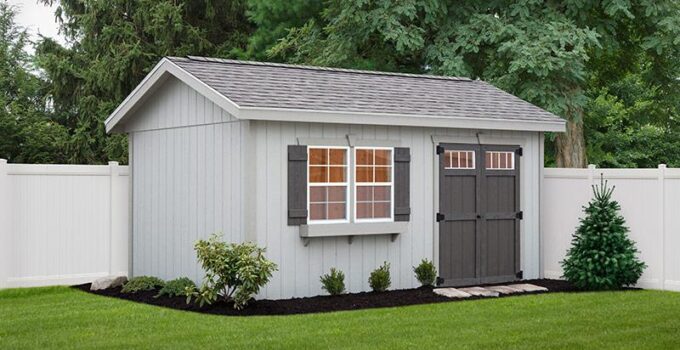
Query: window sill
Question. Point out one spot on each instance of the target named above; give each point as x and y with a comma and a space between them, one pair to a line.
351, 230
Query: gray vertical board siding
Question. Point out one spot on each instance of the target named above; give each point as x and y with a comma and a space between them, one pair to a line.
188, 180
216, 171
300, 267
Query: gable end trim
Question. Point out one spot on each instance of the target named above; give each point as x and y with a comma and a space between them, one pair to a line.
153, 80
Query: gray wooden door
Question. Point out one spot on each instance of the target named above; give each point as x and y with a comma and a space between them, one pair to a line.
478, 214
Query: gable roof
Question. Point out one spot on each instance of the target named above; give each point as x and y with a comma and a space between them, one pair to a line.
272, 91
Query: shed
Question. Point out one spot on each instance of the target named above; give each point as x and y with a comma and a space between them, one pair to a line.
336, 168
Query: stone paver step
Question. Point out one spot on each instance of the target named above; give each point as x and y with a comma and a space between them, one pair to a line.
479, 291
504, 289
451, 293
490, 291
526, 287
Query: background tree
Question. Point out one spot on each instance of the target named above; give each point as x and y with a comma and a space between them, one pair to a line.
112, 45
609, 67
27, 134
551, 53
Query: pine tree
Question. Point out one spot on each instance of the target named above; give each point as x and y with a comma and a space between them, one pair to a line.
602, 256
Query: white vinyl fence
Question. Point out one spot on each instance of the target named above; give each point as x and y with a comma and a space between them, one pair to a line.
650, 203
62, 224
68, 224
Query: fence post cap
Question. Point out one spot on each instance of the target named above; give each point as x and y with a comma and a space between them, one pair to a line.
592, 166
662, 166
3, 161
112, 163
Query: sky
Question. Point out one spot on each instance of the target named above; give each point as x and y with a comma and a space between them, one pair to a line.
37, 18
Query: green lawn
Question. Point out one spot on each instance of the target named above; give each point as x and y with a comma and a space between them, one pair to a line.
60, 317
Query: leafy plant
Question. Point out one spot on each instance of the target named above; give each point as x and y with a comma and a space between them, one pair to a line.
177, 287
601, 255
334, 282
142, 283
426, 273
379, 280
234, 272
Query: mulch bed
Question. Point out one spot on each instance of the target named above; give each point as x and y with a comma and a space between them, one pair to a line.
325, 303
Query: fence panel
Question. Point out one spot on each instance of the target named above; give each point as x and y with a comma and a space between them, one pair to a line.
63, 224
649, 201
68, 224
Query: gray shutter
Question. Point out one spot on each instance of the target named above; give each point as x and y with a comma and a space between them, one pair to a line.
297, 185
402, 184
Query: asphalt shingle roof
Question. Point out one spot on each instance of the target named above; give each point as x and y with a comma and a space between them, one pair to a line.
272, 85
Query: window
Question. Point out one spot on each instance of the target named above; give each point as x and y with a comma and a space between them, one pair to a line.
459, 159
496, 160
373, 184
328, 185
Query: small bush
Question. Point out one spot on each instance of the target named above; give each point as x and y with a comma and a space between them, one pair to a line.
177, 287
233, 272
380, 278
142, 283
602, 256
426, 273
334, 283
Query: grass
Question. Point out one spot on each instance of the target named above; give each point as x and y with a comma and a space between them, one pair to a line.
60, 317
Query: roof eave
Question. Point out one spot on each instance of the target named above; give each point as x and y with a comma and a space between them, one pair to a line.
320, 116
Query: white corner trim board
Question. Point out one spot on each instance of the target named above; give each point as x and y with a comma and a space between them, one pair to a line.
165, 68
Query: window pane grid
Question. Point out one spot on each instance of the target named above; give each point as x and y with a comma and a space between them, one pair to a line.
327, 185
373, 184
497, 160
459, 159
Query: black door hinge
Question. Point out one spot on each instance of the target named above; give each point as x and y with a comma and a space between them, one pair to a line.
440, 149
440, 217
519, 215
519, 151
520, 275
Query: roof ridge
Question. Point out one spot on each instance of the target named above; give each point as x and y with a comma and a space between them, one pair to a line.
318, 68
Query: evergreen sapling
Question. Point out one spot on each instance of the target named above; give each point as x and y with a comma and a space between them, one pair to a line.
602, 256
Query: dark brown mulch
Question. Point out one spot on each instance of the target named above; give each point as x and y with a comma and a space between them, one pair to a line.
325, 303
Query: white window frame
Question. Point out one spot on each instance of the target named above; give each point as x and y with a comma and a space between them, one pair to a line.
356, 184
450, 153
346, 184
512, 160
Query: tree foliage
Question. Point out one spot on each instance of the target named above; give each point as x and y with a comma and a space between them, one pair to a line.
553, 54
609, 67
27, 134
112, 45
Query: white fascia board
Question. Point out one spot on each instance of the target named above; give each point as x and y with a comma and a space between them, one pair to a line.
158, 74
316, 116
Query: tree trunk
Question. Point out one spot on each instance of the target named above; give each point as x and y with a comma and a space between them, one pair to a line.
571, 145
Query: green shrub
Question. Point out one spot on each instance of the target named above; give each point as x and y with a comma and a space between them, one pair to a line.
142, 283
177, 287
380, 278
334, 283
601, 254
234, 272
426, 273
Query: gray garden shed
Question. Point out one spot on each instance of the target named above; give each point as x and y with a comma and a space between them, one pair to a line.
333, 168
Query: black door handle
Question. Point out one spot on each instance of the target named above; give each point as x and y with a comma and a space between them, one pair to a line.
479, 216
